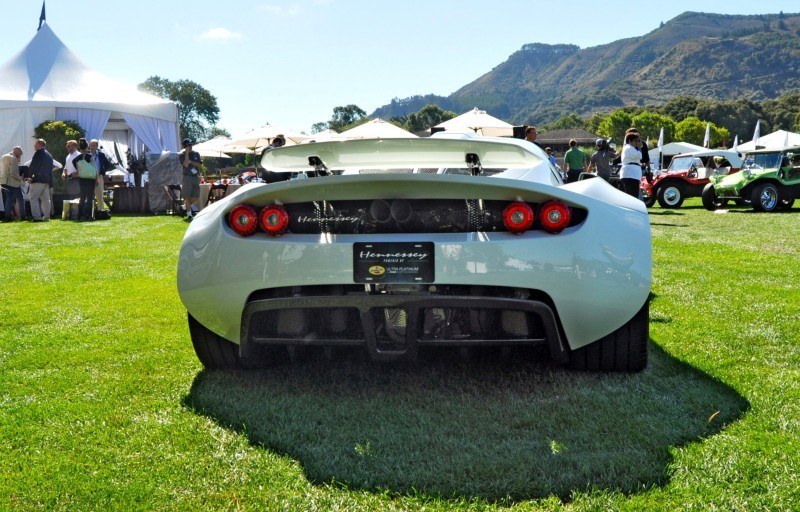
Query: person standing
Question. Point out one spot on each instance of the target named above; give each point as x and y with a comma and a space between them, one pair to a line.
631, 171
86, 183
550, 157
11, 181
40, 174
69, 172
574, 161
531, 134
601, 159
277, 142
100, 161
190, 184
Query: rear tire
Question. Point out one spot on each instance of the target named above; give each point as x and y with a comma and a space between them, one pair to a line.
670, 196
213, 351
624, 350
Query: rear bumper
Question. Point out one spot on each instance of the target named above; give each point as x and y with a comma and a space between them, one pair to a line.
393, 326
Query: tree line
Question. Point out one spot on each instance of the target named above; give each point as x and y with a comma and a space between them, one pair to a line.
685, 118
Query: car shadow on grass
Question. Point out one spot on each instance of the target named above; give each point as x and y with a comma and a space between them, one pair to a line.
664, 211
487, 427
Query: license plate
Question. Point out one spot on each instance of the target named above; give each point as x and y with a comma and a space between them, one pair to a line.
393, 262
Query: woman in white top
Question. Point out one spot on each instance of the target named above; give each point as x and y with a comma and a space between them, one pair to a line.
631, 172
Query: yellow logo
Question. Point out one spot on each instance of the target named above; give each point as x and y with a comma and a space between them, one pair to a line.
377, 270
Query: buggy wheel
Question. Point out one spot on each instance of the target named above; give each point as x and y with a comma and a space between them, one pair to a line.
213, 351
710, 200
670, 196
624, 350
650, 201
765, 198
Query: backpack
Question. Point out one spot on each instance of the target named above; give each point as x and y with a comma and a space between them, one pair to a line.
86, 170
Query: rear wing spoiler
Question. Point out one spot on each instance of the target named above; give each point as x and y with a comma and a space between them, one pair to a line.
356, 155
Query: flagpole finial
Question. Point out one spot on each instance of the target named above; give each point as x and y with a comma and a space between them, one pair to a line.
42, 17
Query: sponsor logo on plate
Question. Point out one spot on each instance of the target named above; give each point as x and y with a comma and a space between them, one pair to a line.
377, 270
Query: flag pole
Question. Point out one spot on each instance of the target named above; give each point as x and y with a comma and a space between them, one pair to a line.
42, 17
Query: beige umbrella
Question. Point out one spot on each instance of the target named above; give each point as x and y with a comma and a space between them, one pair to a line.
213, 148
325, 136
263, 135
480, 122
377, 129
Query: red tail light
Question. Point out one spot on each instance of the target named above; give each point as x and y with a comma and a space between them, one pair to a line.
243, 219
274, 219
518, 217
554, 216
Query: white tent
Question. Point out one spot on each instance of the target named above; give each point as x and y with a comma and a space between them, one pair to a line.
778, 139
376, 129
672, 149
46, 80
478, 121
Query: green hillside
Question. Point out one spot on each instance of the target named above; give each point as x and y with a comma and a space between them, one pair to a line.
707, 56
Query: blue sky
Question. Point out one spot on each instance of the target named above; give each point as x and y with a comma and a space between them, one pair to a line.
290, 63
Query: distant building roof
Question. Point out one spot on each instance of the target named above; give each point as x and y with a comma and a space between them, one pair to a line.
583, 137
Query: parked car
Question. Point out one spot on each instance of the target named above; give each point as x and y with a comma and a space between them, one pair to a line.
379, 244
687, 175
770, 180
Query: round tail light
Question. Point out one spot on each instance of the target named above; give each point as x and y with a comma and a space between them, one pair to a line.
243, 220
554, 216
274, 220
518, 217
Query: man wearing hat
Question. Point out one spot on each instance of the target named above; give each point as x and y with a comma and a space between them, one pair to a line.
190, 184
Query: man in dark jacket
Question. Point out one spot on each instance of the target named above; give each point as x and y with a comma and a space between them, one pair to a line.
40, 176
100, 161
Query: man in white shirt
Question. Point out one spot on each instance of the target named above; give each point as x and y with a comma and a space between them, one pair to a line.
70, 172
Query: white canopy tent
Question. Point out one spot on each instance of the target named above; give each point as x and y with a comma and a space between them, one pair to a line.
778, 139
47, 81
376, 129
478, 121
672, 149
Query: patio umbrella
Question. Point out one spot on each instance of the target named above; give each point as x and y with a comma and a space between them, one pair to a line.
376, 129
480, 122
263, 135
325, 136
213, 148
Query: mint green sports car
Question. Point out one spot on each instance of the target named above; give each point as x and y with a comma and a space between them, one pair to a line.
392, 245
769, 180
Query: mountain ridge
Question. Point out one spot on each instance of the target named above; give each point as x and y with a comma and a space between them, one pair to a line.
705, 55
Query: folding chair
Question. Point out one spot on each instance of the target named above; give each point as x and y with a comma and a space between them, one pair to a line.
174, 199
218, 191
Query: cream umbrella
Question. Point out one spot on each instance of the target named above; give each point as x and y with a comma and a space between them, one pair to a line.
480, 122
213, 148
377, 129
263, 135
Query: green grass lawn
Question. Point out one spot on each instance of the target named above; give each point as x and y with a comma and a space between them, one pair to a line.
103, 405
